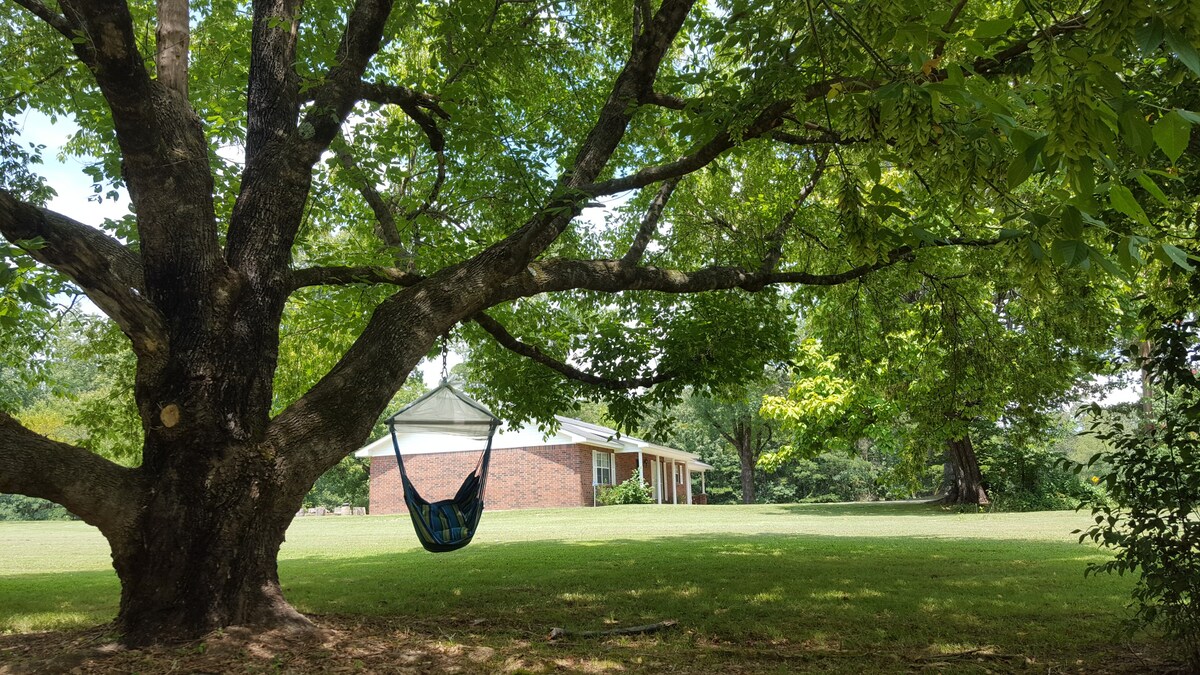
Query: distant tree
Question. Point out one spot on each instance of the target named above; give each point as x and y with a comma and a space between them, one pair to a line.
934, 351
735, 418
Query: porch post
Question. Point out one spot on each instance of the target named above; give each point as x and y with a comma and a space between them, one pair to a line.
688, 470
658, 479
641, 469
702, 490
674, 488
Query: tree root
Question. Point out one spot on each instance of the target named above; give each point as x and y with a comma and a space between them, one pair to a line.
556, 633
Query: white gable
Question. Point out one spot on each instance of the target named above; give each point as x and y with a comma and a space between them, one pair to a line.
570, 431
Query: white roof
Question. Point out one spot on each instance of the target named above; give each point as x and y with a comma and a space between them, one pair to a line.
570, 431
445, 410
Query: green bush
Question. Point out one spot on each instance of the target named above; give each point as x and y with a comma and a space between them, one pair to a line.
829, 477
348, 482
1024, 474
632, 491
20, 507
1153, 487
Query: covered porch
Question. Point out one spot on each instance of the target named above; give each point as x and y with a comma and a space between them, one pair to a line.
670, 474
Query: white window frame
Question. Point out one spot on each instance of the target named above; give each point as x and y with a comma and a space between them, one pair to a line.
603, 461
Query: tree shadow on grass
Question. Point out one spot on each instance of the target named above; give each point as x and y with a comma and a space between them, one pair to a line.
841, 509
882, 596
755, 603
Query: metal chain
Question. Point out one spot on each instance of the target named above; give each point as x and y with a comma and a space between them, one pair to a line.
445, 369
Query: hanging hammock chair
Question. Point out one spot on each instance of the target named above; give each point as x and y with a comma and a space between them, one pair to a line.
448, 524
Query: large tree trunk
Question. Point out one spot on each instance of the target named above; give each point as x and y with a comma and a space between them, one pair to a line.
203, 553
964, 482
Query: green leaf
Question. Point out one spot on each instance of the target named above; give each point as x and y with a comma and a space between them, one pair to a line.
1135, 131
1070, 252
1177, 256
873, 170
1129, 252
1149, 36
1188, 115
1072, 222
1122, 200
992, 28
1172, 132
1107, 265
1083, 177
1018, 171
1184, 50
1150, 186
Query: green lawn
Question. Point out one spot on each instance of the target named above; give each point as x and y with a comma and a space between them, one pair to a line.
841, 587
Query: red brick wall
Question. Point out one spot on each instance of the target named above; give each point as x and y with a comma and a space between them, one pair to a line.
519, 478
625, 466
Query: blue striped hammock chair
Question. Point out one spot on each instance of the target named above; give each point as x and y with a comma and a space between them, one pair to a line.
448, 524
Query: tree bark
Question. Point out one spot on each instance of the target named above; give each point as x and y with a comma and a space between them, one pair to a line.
741, 437
964, 482
203, 552
746, 459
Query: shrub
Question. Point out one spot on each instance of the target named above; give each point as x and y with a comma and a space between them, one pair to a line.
828, 477
20, 507
1027, 474
348, 482
1154, 486
632, 491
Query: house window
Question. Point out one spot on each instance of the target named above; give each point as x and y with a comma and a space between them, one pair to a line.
602, 468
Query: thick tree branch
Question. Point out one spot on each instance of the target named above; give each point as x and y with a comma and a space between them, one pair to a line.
279, 163
506, 340
665, 101
610, 276
54, 19
165, 161
103, 494
412, 103
649, 223
765, 122
344, 276
171, 38
272, 94
108, 272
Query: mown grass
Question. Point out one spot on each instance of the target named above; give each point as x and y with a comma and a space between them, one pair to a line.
841, 587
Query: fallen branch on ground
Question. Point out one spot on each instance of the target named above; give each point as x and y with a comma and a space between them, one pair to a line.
556, 633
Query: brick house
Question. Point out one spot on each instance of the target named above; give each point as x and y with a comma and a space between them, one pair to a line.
532, 470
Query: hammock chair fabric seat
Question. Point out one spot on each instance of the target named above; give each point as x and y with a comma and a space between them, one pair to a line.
448, 524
